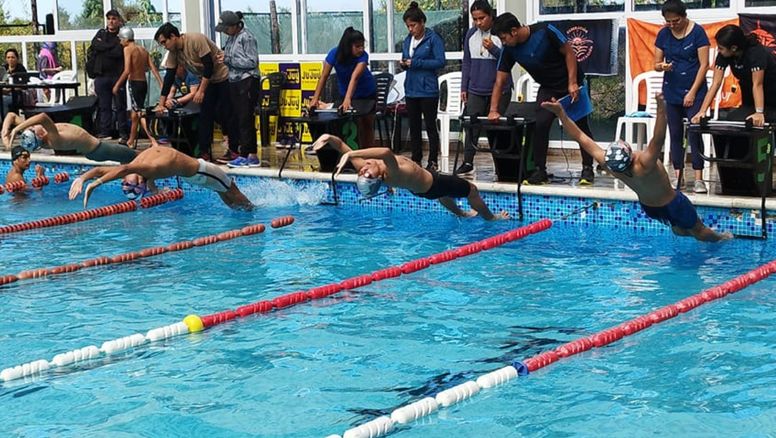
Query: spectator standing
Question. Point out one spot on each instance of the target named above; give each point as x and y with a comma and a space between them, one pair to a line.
682, 54
241, 55
423, 54
109, 63
198, 54
48, 64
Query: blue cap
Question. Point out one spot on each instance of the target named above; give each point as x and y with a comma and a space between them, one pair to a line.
368, 186
30, 141
619, 156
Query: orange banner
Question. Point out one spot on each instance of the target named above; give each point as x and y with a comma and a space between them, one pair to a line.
641, 46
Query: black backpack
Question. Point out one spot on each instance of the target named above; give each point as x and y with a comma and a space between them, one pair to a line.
91, 62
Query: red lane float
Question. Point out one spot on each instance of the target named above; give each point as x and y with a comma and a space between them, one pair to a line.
161, 198
635, 325
40, 181
61, 177
80, 216
127, 257
15, 186
282, 221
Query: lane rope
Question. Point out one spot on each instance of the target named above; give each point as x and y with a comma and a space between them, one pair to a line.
383, 425
195, 323
122, 207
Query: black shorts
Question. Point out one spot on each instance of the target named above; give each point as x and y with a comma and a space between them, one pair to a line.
138, 91
448, 186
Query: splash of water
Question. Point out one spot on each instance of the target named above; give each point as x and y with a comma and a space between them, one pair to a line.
282, 193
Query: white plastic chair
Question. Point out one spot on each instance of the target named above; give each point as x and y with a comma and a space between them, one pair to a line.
58, 97
526, 89
451, 111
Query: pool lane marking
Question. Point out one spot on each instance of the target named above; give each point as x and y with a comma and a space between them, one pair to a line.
145, 252
194, 323
122, 207
384, 424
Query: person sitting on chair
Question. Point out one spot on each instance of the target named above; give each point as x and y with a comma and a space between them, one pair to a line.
162, 162
376, 166
644, 173
39, 131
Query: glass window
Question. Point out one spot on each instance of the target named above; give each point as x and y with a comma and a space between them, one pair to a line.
549, 7
272, 31
80, 14
444, 16
379, 37
327, 20
174, 12
141, 13
655, 5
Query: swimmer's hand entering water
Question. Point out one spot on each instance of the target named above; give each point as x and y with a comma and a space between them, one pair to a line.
89, 189
343, 161
75, 188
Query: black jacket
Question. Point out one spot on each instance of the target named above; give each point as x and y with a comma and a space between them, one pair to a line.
110, 55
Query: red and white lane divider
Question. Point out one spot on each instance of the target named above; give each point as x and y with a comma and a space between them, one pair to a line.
37, 182
122, 207
194, 323
385, 424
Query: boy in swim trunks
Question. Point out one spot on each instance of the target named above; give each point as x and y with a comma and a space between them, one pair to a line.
163, 162
43, 132
644, 173
378, 165
137, 62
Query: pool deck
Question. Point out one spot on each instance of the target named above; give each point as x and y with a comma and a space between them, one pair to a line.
565, 165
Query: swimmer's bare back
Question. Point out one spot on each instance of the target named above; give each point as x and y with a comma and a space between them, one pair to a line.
73, 137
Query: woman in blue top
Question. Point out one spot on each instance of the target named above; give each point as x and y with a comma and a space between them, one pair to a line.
423, 54
356, 84
682, 53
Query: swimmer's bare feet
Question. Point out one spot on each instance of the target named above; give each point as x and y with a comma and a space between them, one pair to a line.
727, 235
500, 216
468, 214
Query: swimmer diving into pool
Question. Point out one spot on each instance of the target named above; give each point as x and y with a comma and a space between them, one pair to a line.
39, 131
164, 162
644, 173
379, 165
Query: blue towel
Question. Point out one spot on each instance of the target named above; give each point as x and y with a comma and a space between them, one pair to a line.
639, 114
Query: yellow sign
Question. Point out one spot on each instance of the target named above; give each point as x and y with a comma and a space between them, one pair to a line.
311, 73
291, 103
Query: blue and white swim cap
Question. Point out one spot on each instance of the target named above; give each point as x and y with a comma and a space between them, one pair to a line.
368, 186
619, 156
30, 141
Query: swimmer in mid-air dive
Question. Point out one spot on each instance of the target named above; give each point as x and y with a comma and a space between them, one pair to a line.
39, 131
644, 173
378, 165
163, 162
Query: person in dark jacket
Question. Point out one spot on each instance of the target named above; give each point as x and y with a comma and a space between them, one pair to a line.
481, 52
423, 54
109, 63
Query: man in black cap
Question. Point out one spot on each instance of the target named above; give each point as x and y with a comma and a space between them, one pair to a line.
20, 162
109, 63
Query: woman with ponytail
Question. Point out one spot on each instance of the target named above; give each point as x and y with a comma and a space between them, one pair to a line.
357, 86
755, 68
423, 54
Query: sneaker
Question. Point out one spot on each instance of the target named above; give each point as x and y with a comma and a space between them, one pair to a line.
465, 169
432, 166
227, 157
700, 187
537, 178
244, 162
587, 177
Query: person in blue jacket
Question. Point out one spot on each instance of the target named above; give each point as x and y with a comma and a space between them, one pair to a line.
357, 86
682, 54
481, 52
423, 54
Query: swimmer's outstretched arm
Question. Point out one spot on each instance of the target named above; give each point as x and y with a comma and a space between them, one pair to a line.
359, 156
11, 120
571, 128
652, 153
43, 120
339, 145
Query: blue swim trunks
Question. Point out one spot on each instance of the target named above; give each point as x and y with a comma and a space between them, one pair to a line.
679, 212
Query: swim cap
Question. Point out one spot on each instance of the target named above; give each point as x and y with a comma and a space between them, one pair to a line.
126, 33
17, 152
30, 141
618, 156
368, 186
134, 191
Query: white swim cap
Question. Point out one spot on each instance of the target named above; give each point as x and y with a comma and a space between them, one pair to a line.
368, 186
30, 141
126, 33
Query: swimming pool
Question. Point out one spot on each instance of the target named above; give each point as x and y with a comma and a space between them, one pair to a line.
326, 366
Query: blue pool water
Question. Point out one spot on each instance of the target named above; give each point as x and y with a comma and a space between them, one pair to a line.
323, 367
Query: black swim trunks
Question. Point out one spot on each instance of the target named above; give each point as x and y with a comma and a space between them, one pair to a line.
446, 186
138, 91
679, 212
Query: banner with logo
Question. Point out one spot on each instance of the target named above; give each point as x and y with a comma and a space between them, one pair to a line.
594, 42
299, 87
764, 26
641, 46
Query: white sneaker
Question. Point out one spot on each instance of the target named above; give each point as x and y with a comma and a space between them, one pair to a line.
700, 187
